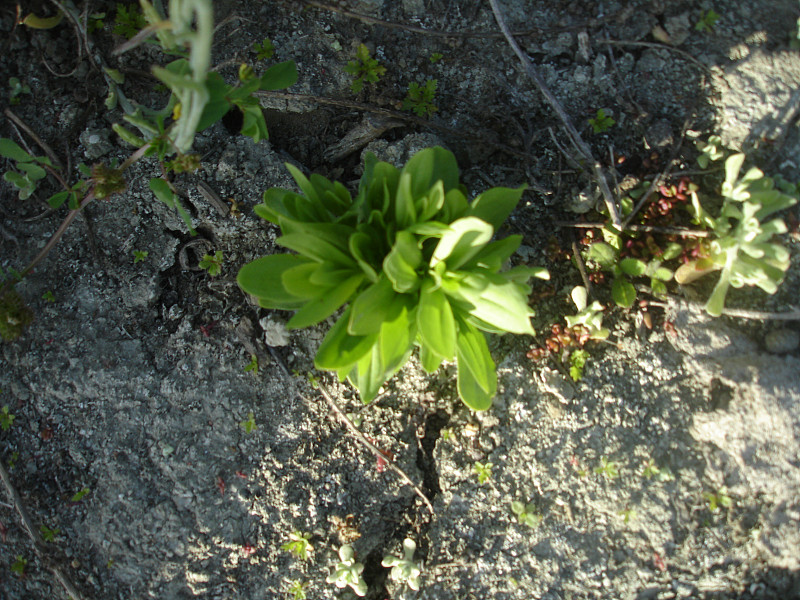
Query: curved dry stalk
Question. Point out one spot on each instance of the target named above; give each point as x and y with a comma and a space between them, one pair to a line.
377, 451
33, 533
575, 137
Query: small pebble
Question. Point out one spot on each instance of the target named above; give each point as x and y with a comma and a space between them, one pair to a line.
782, 341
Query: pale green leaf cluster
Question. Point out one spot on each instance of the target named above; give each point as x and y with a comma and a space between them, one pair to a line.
410, 259
404, 569
743, 250
29, 169
589, 316
347, 572
364, 68
607, 256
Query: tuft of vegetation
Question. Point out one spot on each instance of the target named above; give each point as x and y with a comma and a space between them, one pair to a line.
420, 99
483, 471
404, 569
16, 90
6, 418
601, 122
128, 20
526, 514
212, 263
347, 572
299, 544
364, 68
708, 19
264, 50
412, 260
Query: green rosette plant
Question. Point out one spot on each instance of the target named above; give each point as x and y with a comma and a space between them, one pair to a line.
411, 260
742, 249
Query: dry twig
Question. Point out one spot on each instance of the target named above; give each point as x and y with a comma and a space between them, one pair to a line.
573, 134
33, 533
377, 451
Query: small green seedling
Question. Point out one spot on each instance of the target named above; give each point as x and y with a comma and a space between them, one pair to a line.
48, 534
18, 566
12, 461
404, 569
483, 471
6, 419
264, 50
95, 22
718, 499
48, 296
80, 495
297, 589
212, 264
622, 290
589, 316
577, 362
140, 255
710, 151
436, 57
627, 515
365, 69
17, 89
607, 468
29, 169
653, 471
128, 21
252, 366
601, 122
299, 544
526, 514
249, 425
419, 99
347, 572
708, 19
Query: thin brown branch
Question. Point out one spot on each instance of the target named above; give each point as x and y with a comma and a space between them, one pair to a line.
740, 313
377, 451
573, 134
679, 231
41, 143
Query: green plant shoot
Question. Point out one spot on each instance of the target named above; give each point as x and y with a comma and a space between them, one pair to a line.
364, 68
411, 261
420, 98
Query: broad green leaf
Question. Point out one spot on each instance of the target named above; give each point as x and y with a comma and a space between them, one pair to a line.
58, 198
368, 375
397, 337
253, 125
495, 300
405, 213
217, 104
340, 350
362, 249
464, 239
623, 292
495, 254
429, 359
429, 205
372, 307
455, 206
10, 149
496, 204
323, 242
304, 184
435, 321
662, 274
633, 267
430, 165
603, 254
329, 275
477, 379
297, 281
401, 263
673, 250
33, 171
162, 191
262, 278
279, 77
325, 305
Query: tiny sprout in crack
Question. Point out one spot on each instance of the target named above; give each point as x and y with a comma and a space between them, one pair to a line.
404, 569
348, 572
